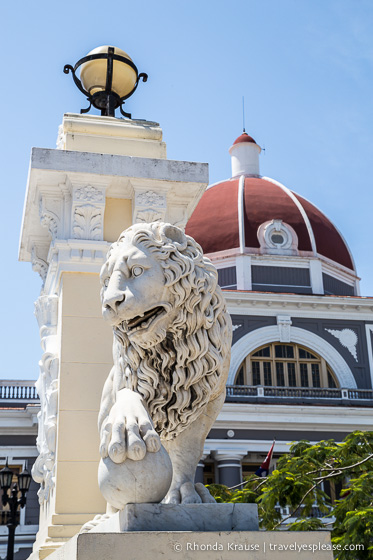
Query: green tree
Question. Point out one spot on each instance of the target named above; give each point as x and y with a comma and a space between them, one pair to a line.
299, 482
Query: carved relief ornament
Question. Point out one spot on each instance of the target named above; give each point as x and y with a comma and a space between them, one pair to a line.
149, 207
88, 222
348, 338
49, 211
87, 213
284, 323
43, 471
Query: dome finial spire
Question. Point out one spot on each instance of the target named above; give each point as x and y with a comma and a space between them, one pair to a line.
243, 114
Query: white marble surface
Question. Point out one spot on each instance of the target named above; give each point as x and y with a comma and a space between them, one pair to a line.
182, 517
240, 545
171, 355
147, 480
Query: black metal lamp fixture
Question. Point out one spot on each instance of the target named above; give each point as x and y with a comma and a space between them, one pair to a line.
22, 485
108, 77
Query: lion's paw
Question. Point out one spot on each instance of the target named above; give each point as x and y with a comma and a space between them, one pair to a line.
128, 431
189, 493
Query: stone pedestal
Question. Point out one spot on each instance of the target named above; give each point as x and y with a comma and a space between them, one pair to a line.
166, 545
188, 517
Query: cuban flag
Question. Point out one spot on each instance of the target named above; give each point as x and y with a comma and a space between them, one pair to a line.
264, 467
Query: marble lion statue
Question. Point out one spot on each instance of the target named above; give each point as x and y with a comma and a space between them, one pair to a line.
172, 339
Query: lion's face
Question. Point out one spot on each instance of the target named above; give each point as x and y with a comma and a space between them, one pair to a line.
134, 296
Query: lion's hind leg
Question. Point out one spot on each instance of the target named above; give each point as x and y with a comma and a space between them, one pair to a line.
185, 451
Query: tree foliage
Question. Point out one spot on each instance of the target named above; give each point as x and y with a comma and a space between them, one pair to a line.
298, 483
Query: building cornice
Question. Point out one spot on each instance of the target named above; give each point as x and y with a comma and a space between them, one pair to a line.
15, 421
299, 305
297, 418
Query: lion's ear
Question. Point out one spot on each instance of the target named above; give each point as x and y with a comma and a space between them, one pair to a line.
175, 235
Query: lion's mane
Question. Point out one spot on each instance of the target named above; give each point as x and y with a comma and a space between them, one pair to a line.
178, 376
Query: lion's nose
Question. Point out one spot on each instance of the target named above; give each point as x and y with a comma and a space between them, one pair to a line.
112, 301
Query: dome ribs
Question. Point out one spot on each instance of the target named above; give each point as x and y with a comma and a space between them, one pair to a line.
214, 223
329, 241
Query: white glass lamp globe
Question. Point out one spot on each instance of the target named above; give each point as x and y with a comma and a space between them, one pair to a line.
93, 73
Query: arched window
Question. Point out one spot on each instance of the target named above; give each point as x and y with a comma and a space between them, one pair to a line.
285, 365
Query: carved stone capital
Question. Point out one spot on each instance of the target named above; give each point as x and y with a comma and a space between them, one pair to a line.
87, 213
149, 206
87, 222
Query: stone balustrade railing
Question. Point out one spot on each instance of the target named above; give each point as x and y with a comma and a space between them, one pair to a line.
18, 390
246, 393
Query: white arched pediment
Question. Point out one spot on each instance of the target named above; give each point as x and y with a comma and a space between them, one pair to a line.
265, 335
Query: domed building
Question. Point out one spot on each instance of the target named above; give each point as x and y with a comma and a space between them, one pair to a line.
302, 336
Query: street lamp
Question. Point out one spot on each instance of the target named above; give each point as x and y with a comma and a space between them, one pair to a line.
108, 77
24, 481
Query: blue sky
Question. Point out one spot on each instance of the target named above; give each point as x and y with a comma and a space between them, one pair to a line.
304, 67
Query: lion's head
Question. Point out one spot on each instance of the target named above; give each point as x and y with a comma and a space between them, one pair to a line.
170, 324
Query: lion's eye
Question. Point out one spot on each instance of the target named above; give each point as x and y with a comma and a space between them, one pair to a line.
137, 271
106, 282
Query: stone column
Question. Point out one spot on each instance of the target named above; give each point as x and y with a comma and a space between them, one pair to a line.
200, 467
105, 174
229, 467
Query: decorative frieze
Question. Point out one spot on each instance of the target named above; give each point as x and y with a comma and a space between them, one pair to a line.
150, 198
89, 194
43, 471
348, 338
149, 206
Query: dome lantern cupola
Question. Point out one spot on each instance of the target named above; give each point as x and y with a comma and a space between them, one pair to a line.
245, 156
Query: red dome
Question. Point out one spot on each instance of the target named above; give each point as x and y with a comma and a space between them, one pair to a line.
214, 223
244, 138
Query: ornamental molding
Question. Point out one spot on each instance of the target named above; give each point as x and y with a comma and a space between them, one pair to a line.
149, 206
89, 193
49, 212
87, 212
251, 341
39, 263
148, 216
348, 339
150, 198
43, 471
88, 222
284, 323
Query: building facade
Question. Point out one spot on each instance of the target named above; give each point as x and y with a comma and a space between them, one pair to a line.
301, 365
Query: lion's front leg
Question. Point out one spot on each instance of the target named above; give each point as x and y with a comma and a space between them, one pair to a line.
185, 451
128, 430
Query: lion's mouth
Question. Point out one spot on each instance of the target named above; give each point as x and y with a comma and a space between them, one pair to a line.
143, 321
